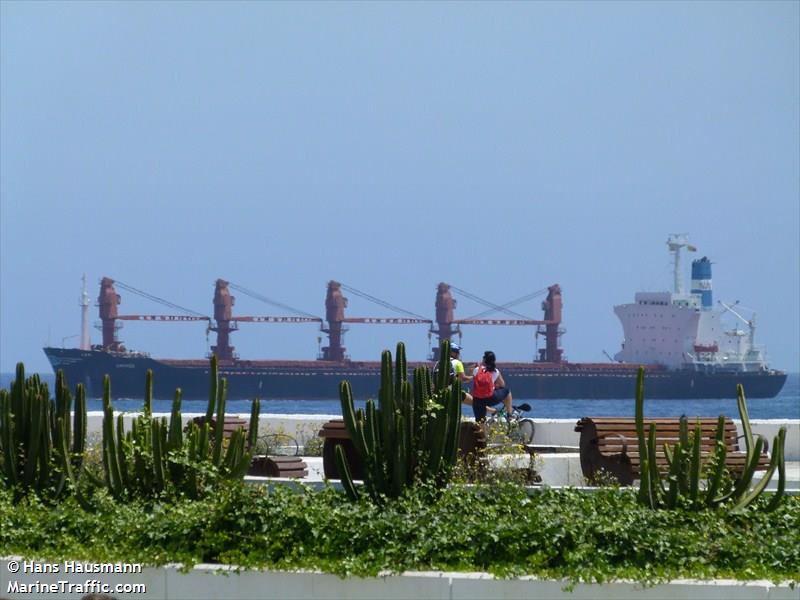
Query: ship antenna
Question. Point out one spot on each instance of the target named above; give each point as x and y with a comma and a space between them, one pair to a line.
86, 341
675, 242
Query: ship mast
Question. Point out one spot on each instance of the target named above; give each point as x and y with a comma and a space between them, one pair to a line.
675, 242
86, 340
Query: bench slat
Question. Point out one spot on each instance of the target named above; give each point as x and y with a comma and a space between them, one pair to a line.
612, 444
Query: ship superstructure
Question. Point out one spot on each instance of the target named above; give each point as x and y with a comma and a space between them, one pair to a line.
681, 330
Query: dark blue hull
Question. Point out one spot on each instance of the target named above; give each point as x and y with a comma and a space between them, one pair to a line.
309, 380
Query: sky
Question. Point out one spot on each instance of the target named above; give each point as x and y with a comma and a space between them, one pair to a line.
498, 147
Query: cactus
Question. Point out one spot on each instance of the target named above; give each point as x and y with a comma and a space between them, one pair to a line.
347, 480
41, 442
156, 456
411, 436
686, 470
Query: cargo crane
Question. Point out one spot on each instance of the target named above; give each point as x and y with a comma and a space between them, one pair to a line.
746, 350
447, 325
222, 324
108, 300
336, 302
225, 322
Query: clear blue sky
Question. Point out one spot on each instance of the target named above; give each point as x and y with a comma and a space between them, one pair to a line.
498, 147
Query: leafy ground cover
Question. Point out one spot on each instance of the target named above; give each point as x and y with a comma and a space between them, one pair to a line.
497, 528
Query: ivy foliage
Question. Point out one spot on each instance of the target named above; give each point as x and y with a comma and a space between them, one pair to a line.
562, 534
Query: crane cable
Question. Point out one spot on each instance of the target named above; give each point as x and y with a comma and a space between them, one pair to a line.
138, 292
266, 300
492, 306
383, 303
519, 300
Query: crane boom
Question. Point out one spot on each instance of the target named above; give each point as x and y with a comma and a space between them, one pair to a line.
729, 308
268, 319
161, 318
387, 320
500, 322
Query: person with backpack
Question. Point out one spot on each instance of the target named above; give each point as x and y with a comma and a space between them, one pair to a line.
457, 371
489, 387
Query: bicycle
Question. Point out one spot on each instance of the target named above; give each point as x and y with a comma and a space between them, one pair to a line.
518, 427
277, 444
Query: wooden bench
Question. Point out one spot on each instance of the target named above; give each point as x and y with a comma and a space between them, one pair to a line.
472, 443
229, 425
278, 466
610, 445
263, 466
472, 439
335, 433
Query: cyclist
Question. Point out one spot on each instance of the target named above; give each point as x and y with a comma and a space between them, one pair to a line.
489, 388
457, 372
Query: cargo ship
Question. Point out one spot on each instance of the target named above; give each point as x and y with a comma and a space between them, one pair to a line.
678, 337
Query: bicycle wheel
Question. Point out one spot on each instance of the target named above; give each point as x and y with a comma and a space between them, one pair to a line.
280, 444
526, 429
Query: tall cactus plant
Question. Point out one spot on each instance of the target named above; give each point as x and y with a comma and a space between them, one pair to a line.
411, 436
686, 471
42, 440
157, 456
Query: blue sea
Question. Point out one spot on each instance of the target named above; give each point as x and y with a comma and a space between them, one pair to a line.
784, 406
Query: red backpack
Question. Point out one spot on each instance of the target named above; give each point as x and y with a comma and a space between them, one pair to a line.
483, 383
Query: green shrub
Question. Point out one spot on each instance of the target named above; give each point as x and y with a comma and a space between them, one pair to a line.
499, 528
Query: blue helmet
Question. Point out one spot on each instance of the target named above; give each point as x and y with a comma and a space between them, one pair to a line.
454, 347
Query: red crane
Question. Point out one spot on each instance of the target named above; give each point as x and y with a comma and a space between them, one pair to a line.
445, 305
108, 300
224, 322
335, 303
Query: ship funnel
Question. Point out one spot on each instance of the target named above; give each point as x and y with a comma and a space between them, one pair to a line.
701, 281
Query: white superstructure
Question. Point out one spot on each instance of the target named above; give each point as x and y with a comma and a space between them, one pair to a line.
680, 330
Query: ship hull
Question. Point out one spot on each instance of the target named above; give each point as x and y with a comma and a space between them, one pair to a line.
310, 380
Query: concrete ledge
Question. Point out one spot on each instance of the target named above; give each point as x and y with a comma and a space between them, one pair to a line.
549, 432
557, 470
219, 581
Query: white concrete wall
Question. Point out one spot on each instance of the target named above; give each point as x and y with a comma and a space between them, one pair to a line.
549, 432
769, 429
556, 432
295, 425
215, 581
563, 469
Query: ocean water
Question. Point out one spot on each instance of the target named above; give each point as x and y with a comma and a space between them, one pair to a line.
785, 405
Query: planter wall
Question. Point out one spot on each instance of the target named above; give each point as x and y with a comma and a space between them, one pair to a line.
213, 581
